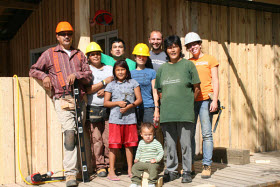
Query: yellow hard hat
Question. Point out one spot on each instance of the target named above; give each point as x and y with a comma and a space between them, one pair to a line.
93, 46
141, 49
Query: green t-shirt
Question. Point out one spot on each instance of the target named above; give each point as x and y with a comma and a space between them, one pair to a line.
175, 81
108, 60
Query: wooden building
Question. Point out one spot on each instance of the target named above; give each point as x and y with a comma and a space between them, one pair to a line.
243, 36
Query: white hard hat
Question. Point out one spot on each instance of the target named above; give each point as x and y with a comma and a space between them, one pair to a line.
192, 37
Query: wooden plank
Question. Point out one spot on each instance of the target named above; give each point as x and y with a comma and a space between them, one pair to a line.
140, 21
126, 32
82, 28
7, 131
132, 26
224, 73
97, 7
102, 7
171, 12
214, 51
203, 26
260, 81
194, 16
241, 66
4, 46
39, 126
43, 13
276, 60
23, 106
185, 24
119, 19
252, 74
55, 141
114, 13
40, 26
233, 79
164, 29
270, 128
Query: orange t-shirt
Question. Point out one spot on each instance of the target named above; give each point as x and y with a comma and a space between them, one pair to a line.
203, 66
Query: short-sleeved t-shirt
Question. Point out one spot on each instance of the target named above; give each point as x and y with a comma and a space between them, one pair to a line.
144, 78
118, 91
203, 66
158, 59
110, 61
175, 81
97, 76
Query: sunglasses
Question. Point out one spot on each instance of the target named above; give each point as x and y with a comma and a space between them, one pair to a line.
93, 54
65, 33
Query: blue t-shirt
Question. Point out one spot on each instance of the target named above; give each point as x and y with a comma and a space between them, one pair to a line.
144, 78
118, 91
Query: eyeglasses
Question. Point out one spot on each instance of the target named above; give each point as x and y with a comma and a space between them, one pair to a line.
65, 33
94, 53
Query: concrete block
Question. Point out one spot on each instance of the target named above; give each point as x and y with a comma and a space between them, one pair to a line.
231, 156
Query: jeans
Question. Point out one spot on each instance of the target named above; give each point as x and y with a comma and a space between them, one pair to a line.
201, 108
172, 131
145, 115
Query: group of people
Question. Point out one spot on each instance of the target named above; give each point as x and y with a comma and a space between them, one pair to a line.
126, 98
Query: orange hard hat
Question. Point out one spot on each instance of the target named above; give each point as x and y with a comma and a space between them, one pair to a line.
64, 26
103, 17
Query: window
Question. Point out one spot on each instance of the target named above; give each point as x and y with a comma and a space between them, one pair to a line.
36, 53
105, 40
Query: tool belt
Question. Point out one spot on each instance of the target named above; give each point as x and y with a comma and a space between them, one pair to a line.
97, 113
67, 103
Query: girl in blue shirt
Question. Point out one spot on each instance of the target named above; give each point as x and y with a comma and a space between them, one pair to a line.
149, 110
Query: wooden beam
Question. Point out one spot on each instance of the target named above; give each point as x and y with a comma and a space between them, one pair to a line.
275, 2
82, 26
18, 5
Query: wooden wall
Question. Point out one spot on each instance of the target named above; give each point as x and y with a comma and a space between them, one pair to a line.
4, 58
245, 42
38, 31
39, 133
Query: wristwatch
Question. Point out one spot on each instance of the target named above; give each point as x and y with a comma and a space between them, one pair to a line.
103, 82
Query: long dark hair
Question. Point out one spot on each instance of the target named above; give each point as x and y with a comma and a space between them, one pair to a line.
169, 41
123, 64
148, 63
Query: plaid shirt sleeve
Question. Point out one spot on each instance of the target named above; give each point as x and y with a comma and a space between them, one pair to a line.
38, 69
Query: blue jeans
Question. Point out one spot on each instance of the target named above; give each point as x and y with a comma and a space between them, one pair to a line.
145, 115
201, 108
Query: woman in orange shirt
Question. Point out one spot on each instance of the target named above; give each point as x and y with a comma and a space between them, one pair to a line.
207, 67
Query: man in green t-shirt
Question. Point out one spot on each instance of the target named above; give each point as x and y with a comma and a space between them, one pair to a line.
178, 83
117, 50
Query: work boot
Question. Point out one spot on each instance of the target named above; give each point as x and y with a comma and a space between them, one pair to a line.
71, 180
170, 176
101, 173
206, 172
186, 177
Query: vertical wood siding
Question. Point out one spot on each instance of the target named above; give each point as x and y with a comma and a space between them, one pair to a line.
245, 42
37, 31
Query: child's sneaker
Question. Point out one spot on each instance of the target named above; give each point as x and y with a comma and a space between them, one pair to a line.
151, 185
